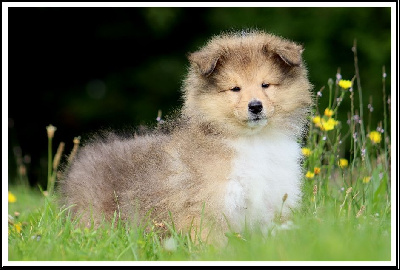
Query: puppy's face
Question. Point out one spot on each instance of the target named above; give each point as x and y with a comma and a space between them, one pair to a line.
246, 90
247, 84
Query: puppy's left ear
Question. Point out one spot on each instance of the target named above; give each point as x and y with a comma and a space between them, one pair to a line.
291, 54
205, 61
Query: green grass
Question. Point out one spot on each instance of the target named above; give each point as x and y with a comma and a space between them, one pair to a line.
47, 234
345, 214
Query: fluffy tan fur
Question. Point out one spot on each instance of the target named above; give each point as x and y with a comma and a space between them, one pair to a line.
188, 162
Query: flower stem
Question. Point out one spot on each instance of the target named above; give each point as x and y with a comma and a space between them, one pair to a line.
362, 131
49, 167
384, 115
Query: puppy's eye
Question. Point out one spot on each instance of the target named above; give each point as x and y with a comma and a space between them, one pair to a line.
235, 89
265, 85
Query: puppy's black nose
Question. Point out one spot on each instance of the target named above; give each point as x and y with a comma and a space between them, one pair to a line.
255, 106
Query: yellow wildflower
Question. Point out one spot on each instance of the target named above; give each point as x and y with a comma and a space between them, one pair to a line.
375, 136
343, 163
11, 197
345, 84
17, 227
328, 112
325, 124
366, 179
328, 124
306, 151
310, 174
317, 170
317, 121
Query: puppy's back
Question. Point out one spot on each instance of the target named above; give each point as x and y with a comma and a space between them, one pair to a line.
103, 170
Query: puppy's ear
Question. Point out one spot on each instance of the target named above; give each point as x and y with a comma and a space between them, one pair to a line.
205, 61
291, 54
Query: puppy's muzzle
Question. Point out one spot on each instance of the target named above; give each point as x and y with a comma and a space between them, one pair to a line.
255, 106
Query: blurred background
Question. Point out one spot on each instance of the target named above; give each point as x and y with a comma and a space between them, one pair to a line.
85, 69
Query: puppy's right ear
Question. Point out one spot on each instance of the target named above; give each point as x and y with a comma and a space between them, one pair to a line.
205, 61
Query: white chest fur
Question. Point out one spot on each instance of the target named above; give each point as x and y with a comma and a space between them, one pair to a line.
263, 170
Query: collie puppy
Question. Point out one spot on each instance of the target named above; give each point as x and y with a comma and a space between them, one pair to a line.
229, 159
